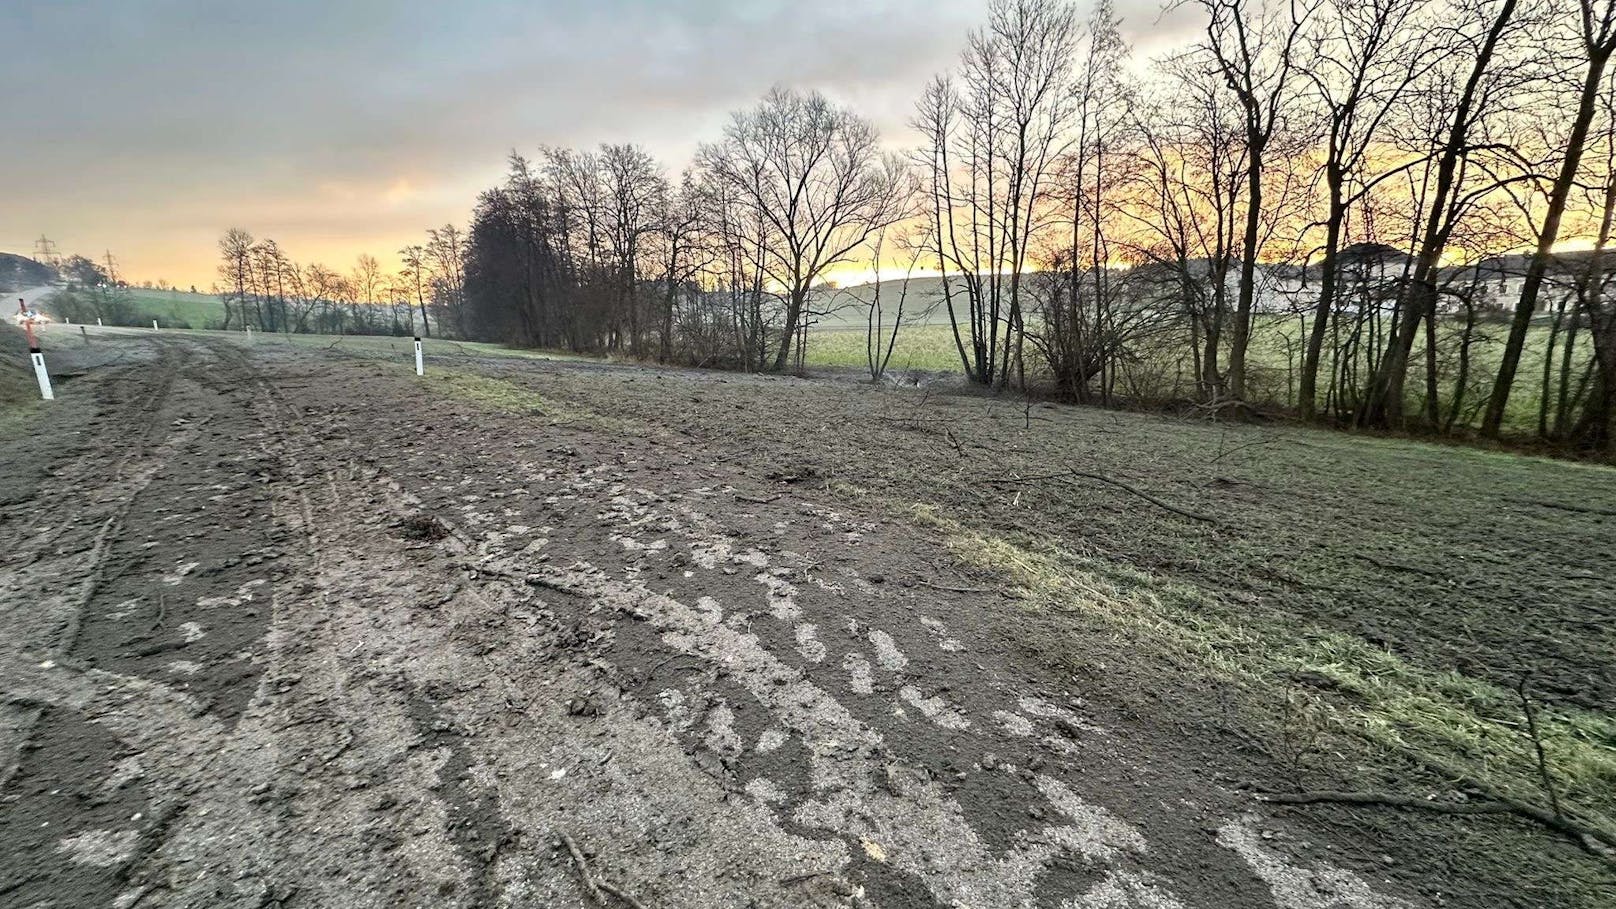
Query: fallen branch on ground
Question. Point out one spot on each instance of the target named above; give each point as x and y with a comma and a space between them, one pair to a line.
1073, 472
593, 885
926, 583
1392, 566
1193, 515
1561, 506
1597, 842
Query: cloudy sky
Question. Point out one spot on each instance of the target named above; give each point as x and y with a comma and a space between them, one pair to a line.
148, 127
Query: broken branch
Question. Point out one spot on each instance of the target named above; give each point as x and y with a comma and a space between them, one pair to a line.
593, 885
1597, 842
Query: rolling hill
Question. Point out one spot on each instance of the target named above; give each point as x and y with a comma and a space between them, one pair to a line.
19, 271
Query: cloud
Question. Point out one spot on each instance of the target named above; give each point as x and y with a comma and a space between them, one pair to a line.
144, 125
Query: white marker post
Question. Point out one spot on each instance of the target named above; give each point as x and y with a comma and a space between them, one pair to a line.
249, 334
97, 321
420, 366
154, 325
40, 374
38, 359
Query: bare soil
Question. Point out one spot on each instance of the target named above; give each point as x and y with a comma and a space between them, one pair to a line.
290, 627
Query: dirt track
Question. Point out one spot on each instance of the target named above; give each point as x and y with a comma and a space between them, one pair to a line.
283, 630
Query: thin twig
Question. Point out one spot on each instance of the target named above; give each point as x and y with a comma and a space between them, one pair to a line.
926, 583
1537, 744
1074, 472
583, 868
1193, 515
1596, 841
1225, 453
594, 885
611, 888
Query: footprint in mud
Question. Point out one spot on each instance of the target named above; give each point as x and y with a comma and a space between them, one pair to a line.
99, 848
934, 708
860, 677
722, 739
179, 574
944, 642
887, 652
770, 740
782, 594
1323, 886
808, 644
1013, 723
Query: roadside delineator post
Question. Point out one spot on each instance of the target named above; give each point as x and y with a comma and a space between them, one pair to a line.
249, 333
34, 354
420, 365
97, 321
154, 325
40, 373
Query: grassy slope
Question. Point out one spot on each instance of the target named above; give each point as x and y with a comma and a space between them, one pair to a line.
17, 386
173, 306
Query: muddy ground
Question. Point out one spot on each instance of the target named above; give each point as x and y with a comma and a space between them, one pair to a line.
288, 626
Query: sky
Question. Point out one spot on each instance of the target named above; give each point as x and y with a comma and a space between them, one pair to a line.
149, 127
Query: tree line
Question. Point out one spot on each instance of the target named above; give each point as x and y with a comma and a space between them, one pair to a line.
265, 289
1377, 213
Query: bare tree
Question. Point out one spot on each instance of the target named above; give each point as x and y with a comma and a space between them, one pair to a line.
1454, 122
1184, 205
1073, 324
413, 277
881, 335
367, 288
992, 146
814, 173
1361, 61
235, 249
1254, 44
636, 201
1596, 38
446, 256
683, 253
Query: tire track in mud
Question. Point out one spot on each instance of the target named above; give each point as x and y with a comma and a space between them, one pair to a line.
715, 722
56, 567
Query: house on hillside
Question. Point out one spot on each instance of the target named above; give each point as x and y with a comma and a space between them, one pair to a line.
1498, 279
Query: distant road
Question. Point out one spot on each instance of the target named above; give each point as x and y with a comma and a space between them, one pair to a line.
31, 295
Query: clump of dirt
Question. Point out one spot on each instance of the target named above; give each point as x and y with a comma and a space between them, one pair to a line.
422, 528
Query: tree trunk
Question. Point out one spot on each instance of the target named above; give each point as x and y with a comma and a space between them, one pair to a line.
1564, 183
1248, 280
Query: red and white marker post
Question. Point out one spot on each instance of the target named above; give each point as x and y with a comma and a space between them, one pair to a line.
34, 354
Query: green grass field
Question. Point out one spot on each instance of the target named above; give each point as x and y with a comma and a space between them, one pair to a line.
175, 307
925, 343
1275, 358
